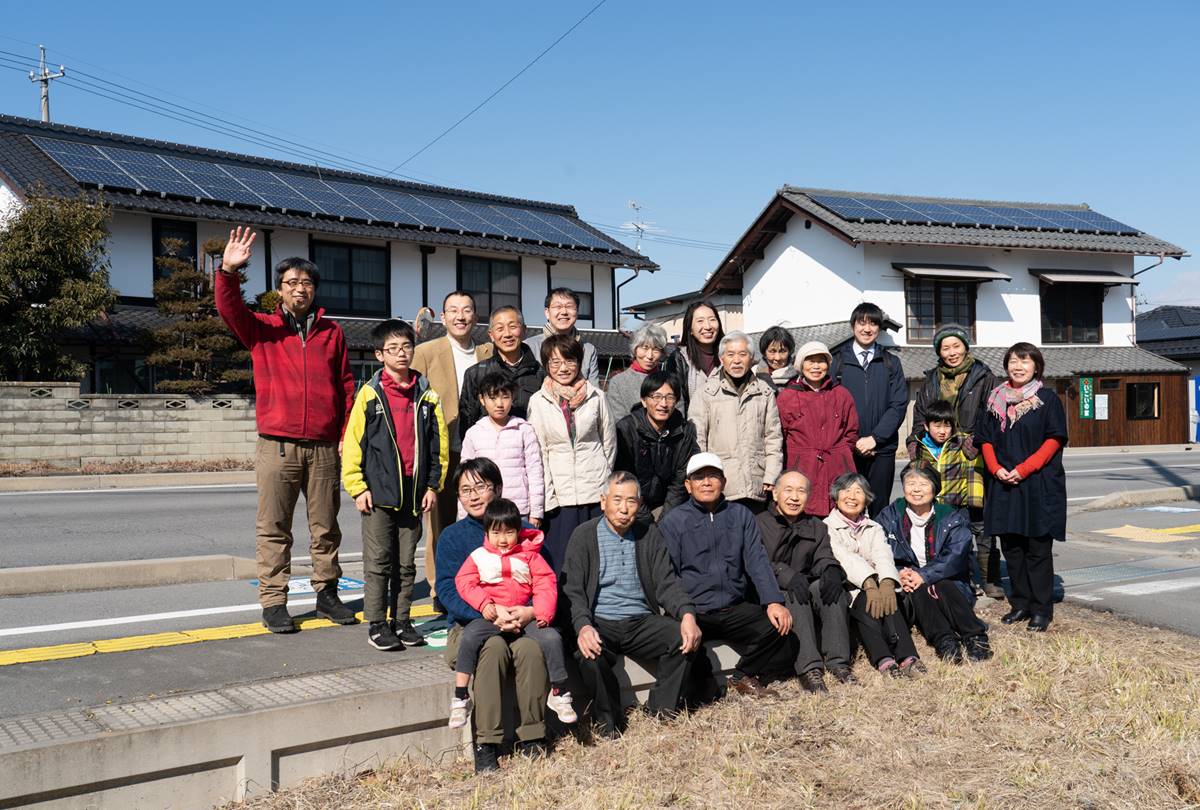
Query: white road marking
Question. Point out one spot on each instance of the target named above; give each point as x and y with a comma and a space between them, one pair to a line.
149, 617
1084, 498
1086, 597
350, 556
1162, 586
1135, 468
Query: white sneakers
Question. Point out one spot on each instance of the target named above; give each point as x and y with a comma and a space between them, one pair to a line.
460, 712
560, 704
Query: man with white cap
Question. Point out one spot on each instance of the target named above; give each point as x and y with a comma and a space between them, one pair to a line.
717, 551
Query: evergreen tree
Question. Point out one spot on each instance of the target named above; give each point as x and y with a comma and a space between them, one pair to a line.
196, 352
53, 279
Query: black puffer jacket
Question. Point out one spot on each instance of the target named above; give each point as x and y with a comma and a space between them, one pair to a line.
527, 375
796, 549
970, 402
659, 460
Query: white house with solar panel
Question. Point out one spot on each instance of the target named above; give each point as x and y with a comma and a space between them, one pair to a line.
1060, 276
385, 247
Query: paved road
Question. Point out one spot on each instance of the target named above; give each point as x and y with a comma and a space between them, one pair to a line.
57, 528
1142, 572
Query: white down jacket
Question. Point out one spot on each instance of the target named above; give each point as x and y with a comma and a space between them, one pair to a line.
575, 473
869, 555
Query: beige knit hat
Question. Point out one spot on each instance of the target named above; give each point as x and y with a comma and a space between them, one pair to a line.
811, 348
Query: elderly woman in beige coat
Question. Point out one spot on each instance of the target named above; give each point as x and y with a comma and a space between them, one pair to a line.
579, 444
736, 417
862, 549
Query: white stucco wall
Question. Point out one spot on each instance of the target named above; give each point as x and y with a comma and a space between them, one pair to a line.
604, 298
9, 203
406, 281
806, 276
443, 277
810, 276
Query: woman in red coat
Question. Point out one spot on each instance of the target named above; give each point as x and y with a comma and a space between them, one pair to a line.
820, 425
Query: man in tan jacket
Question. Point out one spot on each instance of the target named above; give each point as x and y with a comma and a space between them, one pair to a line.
444, 361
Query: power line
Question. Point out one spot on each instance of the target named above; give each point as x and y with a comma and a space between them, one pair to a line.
499, 89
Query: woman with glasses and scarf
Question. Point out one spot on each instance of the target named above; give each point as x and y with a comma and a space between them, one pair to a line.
1022, 434
579, 444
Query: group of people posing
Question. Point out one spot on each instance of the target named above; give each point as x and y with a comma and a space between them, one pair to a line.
722, 490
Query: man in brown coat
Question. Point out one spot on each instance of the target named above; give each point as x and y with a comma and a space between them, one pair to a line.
444, 361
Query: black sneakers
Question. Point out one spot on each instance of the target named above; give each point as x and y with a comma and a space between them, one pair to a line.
486, 757
813, 681
949, 651
977, 647
329, 606
278, 620
381, 637
408, 634
843, 675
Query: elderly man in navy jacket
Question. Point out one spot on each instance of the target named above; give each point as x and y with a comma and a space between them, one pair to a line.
875, 379
717, 550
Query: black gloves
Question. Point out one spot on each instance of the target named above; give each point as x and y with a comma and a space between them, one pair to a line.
799, 589
832, 587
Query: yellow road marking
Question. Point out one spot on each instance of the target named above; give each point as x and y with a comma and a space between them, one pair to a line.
32, 655
1139, 535
1193, 528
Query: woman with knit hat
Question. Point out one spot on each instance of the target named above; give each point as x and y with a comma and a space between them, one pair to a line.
820, 425
965, 382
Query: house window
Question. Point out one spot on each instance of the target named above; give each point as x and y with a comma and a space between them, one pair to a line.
494, 282
1141, 401
1071, 313
931, 303
166, 229
354, 279
587, 309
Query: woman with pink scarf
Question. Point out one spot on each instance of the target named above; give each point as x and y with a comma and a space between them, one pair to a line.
1021, 435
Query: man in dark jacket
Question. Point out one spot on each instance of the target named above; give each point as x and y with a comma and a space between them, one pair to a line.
654, 443
618, 582
510, 357
717, 551
802, 559
875, 379
303, 390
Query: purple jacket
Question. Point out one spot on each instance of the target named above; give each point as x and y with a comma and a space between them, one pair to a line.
515, 450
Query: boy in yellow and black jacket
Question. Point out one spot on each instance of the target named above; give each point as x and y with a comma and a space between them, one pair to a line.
394, 457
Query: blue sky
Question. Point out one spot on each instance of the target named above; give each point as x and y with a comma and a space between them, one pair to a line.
697, 110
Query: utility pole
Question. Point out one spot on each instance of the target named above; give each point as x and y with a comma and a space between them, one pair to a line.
44, 76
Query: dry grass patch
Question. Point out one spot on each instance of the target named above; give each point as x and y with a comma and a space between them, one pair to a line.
1098, 713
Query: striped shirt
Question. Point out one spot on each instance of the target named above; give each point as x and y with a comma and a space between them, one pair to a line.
620, 593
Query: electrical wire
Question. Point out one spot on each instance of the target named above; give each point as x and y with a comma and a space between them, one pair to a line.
500, 89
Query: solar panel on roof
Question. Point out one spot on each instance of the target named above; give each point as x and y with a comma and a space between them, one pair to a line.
195, 177
154, 173
878, 210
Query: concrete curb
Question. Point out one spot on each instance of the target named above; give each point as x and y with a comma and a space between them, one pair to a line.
37, 579
1140, 497
52, 483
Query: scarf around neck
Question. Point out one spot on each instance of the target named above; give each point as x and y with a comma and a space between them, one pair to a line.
857, 526
950, 380
1010, 404
920, 531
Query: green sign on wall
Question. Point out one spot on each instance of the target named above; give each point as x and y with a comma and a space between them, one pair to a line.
1087, 398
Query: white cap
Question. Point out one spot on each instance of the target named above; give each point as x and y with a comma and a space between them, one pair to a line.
702, 460
814, 348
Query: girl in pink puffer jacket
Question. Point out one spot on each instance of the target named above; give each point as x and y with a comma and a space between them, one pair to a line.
512, 444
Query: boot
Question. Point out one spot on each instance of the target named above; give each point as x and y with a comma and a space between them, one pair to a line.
991, 578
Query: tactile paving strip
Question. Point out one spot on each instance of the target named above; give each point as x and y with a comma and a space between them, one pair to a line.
1114, 572
58, 726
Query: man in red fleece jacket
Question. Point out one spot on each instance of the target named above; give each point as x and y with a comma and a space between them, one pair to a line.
303, 390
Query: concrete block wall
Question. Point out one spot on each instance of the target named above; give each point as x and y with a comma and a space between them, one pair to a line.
52, 423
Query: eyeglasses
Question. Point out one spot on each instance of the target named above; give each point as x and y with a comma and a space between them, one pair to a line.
560, 362
478, 489
396, 351
563, 308
666, 399
293, 283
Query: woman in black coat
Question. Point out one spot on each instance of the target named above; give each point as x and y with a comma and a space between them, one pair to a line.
965, 382
1022, 434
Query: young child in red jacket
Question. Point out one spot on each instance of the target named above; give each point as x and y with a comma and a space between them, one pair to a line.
506, 572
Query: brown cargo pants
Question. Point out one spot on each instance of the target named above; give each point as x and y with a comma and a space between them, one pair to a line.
283, 469
510, 679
